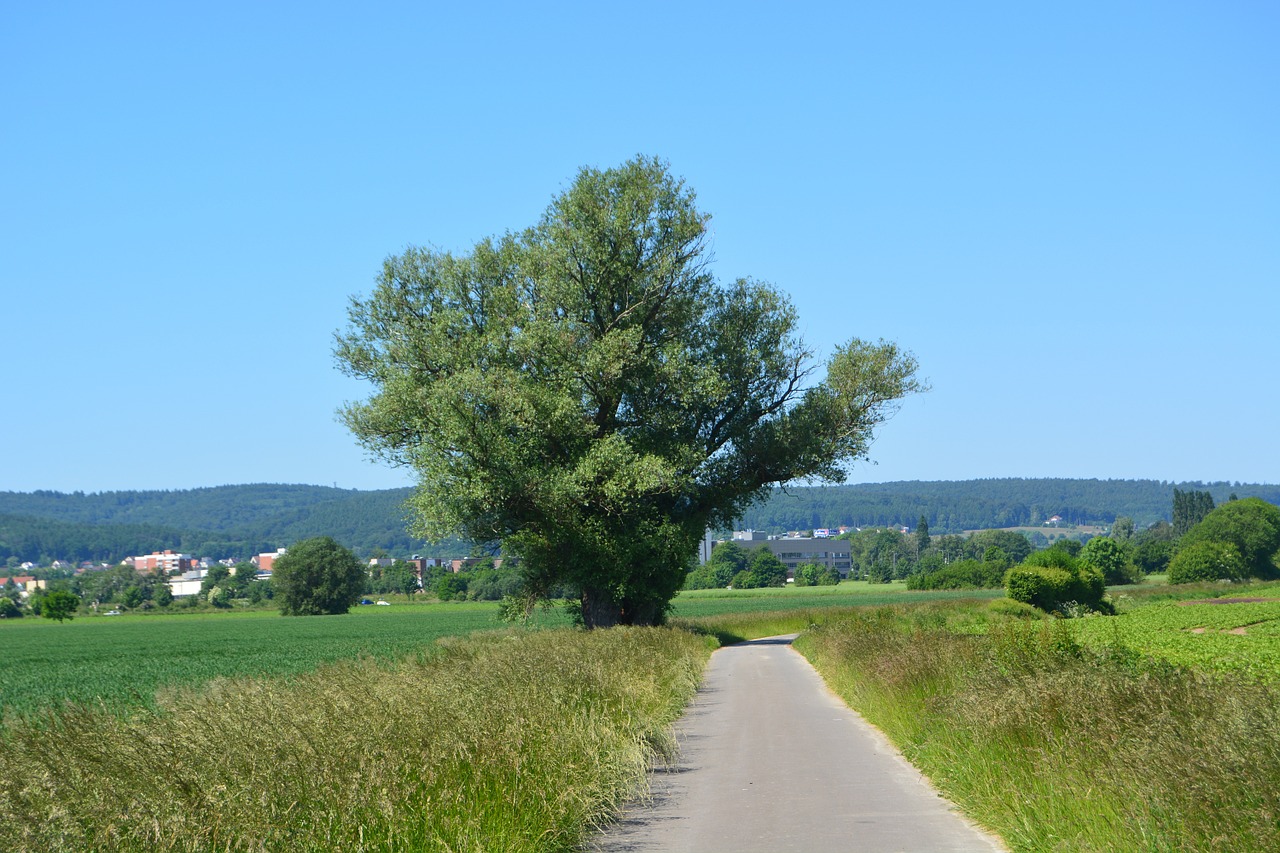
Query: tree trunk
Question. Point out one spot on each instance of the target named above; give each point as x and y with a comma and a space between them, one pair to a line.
599, 610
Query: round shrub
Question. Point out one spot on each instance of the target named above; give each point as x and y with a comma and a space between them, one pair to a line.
1052, 579
1207, 561
1015, 609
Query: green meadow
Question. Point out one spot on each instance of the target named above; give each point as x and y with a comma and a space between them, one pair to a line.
119, 662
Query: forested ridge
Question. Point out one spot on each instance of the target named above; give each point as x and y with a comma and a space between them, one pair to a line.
953, 506
238, 521
222, 521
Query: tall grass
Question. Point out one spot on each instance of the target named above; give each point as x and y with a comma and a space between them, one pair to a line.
1056, 747
508, 742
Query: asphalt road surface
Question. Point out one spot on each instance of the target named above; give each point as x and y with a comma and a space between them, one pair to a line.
771, 760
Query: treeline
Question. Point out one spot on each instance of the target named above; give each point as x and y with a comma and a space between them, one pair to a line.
239, 521
956, 506
225, 521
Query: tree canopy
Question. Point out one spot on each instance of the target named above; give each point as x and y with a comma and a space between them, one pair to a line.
317, 576
587, 393
1251, 525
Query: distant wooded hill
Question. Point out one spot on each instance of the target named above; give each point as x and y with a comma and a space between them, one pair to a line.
238, 521
956, 506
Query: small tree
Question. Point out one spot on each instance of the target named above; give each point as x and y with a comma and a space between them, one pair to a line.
317, 576
1109, 558
59, 605
8, 609
766, 569
922, 536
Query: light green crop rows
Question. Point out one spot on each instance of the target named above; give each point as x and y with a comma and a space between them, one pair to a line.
1241, 637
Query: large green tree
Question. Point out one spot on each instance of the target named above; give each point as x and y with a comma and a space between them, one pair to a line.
317, 576
1252, 525
585, 391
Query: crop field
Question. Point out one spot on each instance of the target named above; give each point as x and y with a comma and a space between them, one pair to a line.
695, 604
120, 662
1239, 635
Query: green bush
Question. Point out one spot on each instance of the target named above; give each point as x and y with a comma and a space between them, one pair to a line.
962, 574
1053, 579
1016, 609
1207, 561
1110, 558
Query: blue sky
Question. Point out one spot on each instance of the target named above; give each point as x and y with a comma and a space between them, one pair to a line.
1070, 213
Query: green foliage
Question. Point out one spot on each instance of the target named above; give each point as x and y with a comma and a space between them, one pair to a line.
1207, 561
1189, 508
596, 400
1251, 525
727, 559
218, 575
1152, 556
963, 574
812, 574
9, 608
1015, 546
1213, 635
764, 570
953, 507
1054, 580
451, 587
1108, 557
239, 521
59, 605
708, 576
1069, 546
317, 576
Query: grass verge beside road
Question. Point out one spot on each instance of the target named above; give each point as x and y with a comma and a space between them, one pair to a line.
511, 741
1057, 746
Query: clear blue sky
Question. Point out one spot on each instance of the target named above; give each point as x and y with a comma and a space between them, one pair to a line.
1069, 212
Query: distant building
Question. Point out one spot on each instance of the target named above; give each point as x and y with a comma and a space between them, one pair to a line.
705, 547
796, 551
264, 562
749, 536
162, 562
26, 584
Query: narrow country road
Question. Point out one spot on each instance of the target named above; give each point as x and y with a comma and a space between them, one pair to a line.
771, 760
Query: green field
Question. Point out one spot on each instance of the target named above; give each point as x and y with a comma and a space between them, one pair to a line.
121, 661
696, 604
1215, 635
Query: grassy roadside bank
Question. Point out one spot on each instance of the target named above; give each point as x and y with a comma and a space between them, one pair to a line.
1056, 746
513, 741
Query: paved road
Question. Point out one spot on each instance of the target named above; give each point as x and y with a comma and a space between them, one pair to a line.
771, 760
